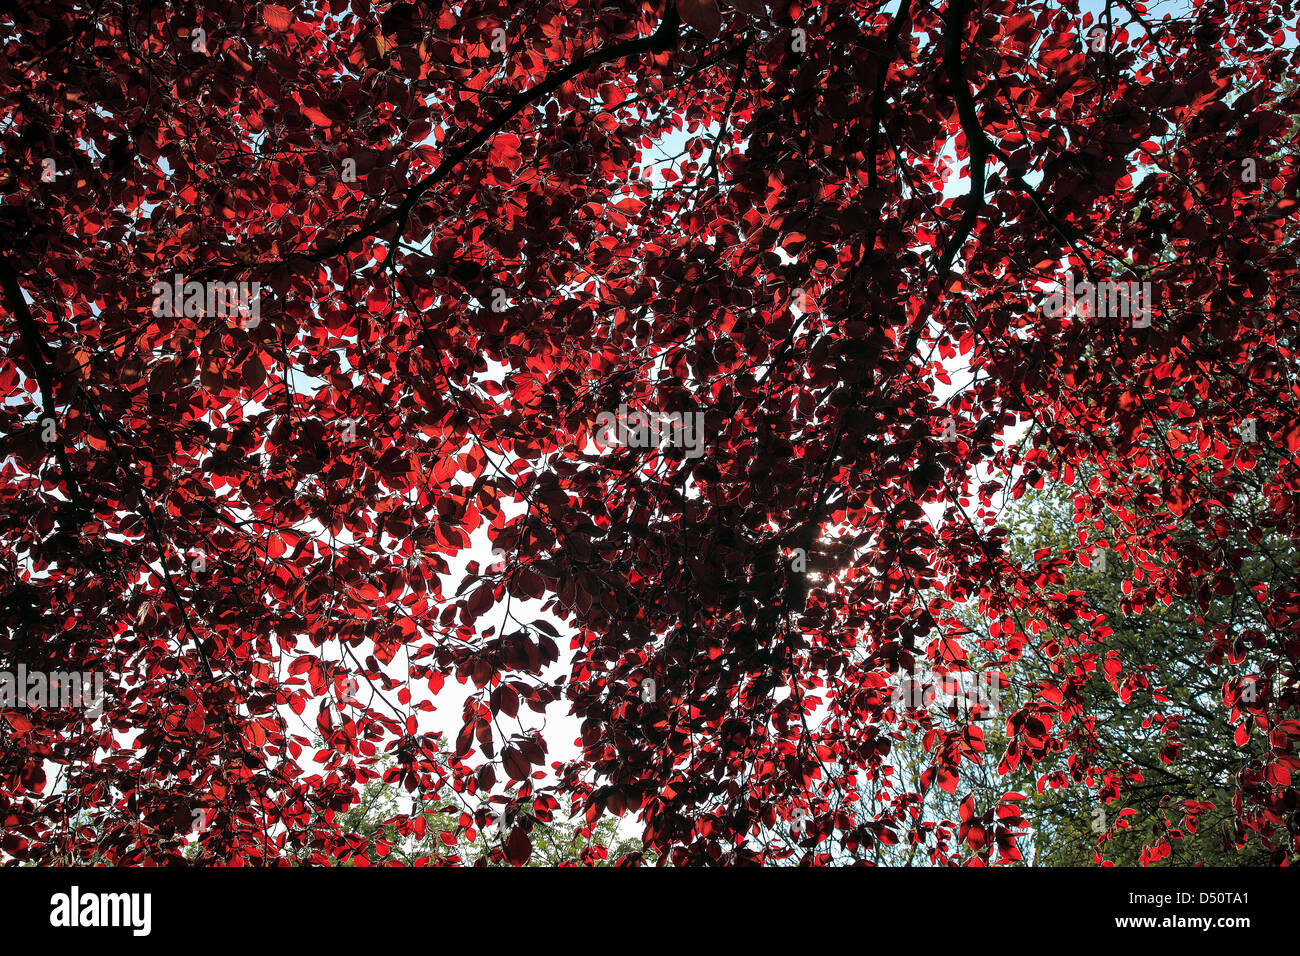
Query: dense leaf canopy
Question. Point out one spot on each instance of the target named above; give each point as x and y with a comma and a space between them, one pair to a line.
824, 234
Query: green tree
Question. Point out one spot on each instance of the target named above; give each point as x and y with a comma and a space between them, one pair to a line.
1165, 738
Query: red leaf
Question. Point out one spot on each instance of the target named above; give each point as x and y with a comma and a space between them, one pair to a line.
480, 600
515, 764
316, 116
277, 18
704, 15
518, 847
19, 723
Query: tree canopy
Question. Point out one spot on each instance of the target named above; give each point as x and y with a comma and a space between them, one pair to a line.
742, 334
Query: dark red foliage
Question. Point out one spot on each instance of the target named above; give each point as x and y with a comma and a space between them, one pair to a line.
240, 518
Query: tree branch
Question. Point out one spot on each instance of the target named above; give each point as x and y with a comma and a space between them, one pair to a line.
34, 348
664, 38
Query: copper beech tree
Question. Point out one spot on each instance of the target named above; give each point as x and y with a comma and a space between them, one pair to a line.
295, 300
